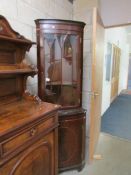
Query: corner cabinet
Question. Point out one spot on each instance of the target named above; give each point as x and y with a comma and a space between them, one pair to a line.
60, 52
28, 126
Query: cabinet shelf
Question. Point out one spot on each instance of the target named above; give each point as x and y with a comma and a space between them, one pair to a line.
18, 71
66, 83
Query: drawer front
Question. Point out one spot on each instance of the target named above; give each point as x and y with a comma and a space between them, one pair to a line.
23, 137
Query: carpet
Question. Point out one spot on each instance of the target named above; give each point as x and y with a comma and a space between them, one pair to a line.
117, 119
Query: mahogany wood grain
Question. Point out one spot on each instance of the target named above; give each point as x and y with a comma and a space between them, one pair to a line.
72, 142
38, 159
28, 126
60, 63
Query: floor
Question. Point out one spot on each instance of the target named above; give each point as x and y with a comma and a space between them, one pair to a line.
116, 158
117, 119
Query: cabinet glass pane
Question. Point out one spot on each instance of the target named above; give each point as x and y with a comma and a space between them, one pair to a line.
61, 69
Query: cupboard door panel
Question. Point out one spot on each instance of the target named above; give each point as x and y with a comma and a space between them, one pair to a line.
35, 161
20, 139
38, 159
72, 141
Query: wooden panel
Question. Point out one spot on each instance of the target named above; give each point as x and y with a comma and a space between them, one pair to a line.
61, 26
7, 86
12, 51
38, 159
72, 142
23, 111
35, 161
7, 57
115, 72
4, 30
96, 86
16, 141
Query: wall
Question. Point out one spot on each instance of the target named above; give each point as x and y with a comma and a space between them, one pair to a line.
21, 15
86, 16
116, 36
80, 5
129, 38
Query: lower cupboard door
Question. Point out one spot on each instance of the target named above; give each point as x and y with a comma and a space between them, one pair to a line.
71, 143
36, 160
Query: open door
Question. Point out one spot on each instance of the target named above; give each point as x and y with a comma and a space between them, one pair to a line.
97, 79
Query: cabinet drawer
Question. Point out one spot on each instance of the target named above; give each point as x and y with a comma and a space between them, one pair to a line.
23, 137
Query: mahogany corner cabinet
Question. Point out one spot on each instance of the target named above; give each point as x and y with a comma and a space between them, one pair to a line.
60, 60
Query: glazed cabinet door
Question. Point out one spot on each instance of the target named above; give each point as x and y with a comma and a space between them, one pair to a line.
38, 159
62, 68
72, 143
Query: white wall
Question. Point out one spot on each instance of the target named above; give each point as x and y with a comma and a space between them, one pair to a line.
80, 5
129, 39
85, 15
21, 15
117, 36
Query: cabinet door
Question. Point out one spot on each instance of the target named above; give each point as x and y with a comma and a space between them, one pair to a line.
71, 143
62, 68
39, 159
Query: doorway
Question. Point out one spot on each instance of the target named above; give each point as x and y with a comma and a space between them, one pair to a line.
116, 112
117, 80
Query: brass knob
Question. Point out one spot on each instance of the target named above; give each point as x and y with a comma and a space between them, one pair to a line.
33, 131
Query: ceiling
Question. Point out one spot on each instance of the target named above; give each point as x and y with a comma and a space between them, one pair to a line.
115, 12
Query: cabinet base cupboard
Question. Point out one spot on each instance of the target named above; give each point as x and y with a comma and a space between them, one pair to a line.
59, 53
28, 126
71, 139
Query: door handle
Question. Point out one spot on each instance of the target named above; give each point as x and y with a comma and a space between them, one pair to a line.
94, 94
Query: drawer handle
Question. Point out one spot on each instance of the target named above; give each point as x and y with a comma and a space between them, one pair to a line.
33, 131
